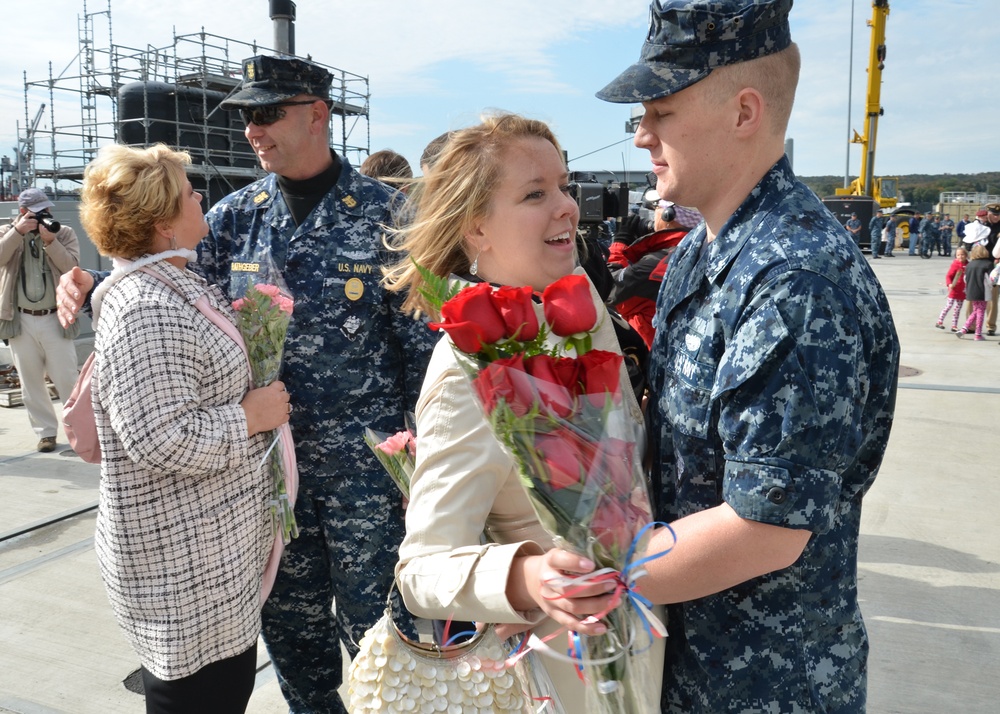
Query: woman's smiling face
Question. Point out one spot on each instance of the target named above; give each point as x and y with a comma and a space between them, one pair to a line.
529, 236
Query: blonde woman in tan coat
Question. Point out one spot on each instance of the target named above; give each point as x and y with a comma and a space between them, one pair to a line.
495, 208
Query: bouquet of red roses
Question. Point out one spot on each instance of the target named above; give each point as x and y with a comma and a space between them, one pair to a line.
558, 406
263, 313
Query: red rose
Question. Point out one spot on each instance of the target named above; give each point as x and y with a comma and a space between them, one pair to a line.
471, 319
516, 308
600, 373
556, 382
566, 456
505, 380
611, 526
568, 306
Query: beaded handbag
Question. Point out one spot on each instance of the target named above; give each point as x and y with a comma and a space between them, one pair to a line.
392, 673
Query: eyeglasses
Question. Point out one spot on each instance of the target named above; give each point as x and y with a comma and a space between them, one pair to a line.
270, 113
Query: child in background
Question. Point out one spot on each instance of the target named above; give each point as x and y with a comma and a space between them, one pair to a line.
975, 287
955, 280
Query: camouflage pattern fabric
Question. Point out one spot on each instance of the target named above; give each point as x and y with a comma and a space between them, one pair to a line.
929, 236
269, 80
688, 39
945, 228
875, 226
352, 359
773, 383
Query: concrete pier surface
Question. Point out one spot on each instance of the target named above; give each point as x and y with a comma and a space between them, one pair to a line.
929, 564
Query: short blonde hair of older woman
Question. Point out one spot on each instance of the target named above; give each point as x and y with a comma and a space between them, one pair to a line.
127, 193
447, 203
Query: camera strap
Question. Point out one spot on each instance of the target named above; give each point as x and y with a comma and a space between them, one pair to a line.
34, 270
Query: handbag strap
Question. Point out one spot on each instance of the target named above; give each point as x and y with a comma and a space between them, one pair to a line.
203, 304
432, 650
215, 316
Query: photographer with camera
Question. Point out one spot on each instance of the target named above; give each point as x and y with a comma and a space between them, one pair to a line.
639, 254
35, 250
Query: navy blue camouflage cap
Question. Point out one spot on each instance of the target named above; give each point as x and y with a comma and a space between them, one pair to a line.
269, 80
687, 39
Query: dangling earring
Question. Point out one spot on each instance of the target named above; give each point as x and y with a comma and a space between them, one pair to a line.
474, 268
173, 242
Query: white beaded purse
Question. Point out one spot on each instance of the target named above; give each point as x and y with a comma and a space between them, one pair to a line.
392, 673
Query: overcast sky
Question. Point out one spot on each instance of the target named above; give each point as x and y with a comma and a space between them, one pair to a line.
435, 65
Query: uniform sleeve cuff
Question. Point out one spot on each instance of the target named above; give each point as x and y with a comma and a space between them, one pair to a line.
783, 495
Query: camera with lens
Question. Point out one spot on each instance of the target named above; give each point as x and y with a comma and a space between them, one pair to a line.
45, 218
596, 202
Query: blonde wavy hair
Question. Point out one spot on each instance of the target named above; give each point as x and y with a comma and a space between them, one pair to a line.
450, 199
127, 192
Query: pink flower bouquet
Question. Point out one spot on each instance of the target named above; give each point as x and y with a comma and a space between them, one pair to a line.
397, 453
263, 314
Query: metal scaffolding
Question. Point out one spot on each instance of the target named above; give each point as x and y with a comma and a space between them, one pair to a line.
169, 94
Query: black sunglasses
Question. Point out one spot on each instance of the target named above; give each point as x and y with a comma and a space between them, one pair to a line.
270, 113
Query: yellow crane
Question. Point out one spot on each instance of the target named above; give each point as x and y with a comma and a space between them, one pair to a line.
882, 190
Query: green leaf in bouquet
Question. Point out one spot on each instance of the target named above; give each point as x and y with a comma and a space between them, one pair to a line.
437, 290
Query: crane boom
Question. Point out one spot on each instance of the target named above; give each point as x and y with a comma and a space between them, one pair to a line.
882, 190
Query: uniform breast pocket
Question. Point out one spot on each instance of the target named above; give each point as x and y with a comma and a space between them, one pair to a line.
351, 305
688, 396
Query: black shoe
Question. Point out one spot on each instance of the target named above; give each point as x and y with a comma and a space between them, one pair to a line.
991, 333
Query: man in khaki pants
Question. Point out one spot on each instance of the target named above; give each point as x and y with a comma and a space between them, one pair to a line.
32, 257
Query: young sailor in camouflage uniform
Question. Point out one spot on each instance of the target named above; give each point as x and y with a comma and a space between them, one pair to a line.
352, 359
772, 379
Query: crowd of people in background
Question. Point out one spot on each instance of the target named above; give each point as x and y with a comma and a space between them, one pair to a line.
973, 276
922, 234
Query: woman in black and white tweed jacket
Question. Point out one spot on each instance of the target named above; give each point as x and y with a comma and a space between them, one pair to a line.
183, 530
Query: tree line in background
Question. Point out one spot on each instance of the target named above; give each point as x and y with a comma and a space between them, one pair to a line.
921, 190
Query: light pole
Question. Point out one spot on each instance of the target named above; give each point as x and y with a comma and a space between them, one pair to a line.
850, 78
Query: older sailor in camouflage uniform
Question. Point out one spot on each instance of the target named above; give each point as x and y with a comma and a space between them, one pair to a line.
352, 360
772, 377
